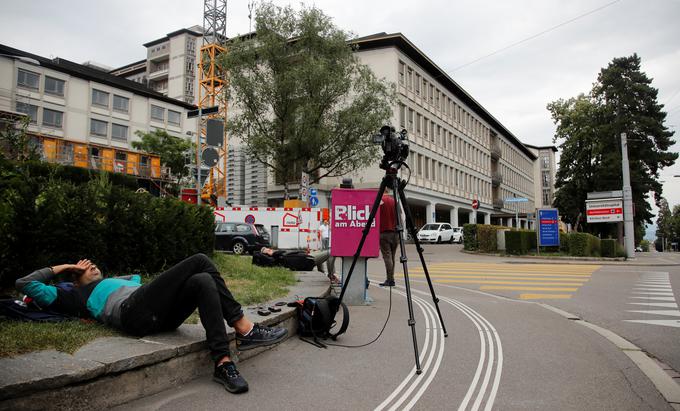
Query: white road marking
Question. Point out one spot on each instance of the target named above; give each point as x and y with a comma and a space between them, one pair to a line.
672, 313
655, 287
663, 305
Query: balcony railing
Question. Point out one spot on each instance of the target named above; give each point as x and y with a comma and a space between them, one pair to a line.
496, 179
495, 151
497, 204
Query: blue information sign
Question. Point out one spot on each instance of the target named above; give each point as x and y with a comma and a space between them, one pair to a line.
312, 191
548, 227
313, 201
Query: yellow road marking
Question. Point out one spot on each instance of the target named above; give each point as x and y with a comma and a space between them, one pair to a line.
420, 272
503, 287
544, 296
528, 266
506, 282
494, 277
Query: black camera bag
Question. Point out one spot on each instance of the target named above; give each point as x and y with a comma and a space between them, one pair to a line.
316, 318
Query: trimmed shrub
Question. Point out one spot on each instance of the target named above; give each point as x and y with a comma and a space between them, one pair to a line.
516, 242
470, 241
620, 250
48, 220
583, 245
608, 248
564, 242
532, 241
487, 239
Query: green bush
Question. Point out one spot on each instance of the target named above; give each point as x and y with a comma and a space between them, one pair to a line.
644, 244
584, 245
620, 251
46, 220
564, 242
470, 241
487, 238
531, 240
608, 248
516, 242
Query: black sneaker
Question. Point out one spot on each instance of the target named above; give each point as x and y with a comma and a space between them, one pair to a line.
227, 375
261, 336
387, 283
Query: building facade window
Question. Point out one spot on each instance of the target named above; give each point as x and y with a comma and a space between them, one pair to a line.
121, 103
54, 86
98, 128
53, 118
547, 200
100, 98
402, 116
157, 113
30, 110
28, 79
174, 117
119, 132
402, 69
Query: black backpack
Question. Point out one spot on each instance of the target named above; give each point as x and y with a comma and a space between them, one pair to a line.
316, 318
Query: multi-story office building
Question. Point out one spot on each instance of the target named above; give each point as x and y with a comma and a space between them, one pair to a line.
460, 153
544, 175
170, 65
83, 116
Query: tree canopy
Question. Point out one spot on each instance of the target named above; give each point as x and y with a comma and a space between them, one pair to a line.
171, 149
300, 99
589, 127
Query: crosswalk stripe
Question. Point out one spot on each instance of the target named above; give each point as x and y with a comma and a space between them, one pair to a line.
667, 323
544, 296
504, 277
503, 282
656, 298
503, 287
672, 313
664, 305
500, 273
500, 270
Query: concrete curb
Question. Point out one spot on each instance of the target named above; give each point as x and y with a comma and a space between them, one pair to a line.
115, 370
653, 369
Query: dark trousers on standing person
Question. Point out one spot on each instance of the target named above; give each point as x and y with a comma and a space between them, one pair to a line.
164, 303
388, 248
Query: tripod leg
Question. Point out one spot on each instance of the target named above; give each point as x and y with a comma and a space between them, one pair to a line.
412, 230
404, 261
365, 231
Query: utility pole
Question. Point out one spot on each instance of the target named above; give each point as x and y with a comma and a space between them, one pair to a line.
628, 227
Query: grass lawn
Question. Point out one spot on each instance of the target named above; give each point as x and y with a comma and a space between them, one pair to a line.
248, 283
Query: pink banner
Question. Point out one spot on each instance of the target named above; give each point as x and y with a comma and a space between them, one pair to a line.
349, 215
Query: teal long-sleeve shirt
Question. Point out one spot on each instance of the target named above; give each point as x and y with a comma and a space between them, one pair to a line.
100, 299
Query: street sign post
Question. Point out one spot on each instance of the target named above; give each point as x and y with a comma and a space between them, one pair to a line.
548, 227
516, 200
606, 210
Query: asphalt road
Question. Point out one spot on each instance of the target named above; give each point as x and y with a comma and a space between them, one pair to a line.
503, 351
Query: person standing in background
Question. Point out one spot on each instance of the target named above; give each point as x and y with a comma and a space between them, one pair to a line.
388, 236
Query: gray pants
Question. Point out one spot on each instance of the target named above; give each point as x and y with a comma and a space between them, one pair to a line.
388, 248
322, 256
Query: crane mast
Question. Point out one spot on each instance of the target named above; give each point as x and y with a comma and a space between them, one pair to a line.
212, 83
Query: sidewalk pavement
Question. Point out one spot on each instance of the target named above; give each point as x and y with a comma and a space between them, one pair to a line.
114, 370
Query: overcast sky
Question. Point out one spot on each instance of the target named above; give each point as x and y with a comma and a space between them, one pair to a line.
514, 84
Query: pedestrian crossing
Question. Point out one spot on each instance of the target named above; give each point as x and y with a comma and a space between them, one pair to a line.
529, 281
653, 294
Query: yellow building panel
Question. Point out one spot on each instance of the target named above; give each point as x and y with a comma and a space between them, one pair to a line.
107, 159
133, 163
80, 155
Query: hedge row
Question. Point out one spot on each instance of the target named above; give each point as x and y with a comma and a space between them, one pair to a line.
48, 217
470, 241
583, 245
519, 242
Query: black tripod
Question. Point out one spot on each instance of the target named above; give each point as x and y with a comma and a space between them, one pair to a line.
397, 186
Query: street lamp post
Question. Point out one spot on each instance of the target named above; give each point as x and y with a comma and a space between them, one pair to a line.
628, 227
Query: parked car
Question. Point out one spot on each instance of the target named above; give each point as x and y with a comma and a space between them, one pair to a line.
458, 235
240, 237
436, 233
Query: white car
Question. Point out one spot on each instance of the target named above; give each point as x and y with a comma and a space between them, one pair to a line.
436, 233
458, 235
